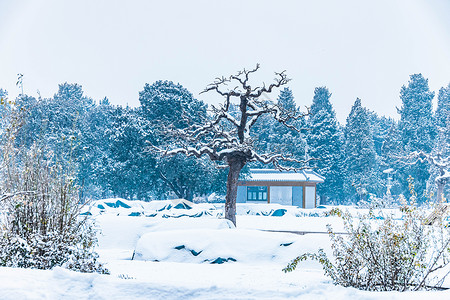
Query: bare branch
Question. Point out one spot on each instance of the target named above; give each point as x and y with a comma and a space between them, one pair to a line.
190, 151
277, 159
280, 80
11, 195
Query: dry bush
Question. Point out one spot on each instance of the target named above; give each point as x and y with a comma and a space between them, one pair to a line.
379, 253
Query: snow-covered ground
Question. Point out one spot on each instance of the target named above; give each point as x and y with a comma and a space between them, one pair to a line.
175, 250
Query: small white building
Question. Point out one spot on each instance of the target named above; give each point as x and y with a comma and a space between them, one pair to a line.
274, 186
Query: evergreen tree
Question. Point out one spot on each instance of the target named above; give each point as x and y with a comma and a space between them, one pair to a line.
286, 100
380, 128
416, 115
361, 172
443, 107
130, 171
96, 151
63, 121
391, 150
174, 106
272, 136
170, 103
417, 129
442, 145
34, 116
263, 135
324, 145
440, 152
383, 130
60, 124
284, 139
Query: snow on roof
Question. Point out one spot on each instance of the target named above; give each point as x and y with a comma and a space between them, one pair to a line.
276, 175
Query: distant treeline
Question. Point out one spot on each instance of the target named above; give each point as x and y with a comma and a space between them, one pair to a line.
110, 146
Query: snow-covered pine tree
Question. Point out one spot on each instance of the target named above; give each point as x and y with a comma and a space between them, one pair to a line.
165, 104
263, 135
35, 120
361, 174
439, 180
418, 130
391, 150
443, 107
286, 100
380, 128
130, 171
438, 183
283, 139
416, 123
443, 122
60, 123
96, 151
325, 145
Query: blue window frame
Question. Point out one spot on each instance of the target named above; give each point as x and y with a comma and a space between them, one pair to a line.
257, 193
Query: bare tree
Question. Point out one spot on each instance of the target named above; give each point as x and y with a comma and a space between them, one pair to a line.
225, 136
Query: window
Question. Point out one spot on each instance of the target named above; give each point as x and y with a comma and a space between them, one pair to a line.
257, 193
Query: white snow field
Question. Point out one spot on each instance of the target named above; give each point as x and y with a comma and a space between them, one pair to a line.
179, 250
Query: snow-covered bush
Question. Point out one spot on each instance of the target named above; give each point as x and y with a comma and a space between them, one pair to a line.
379, 253
45, 251
376, 202
40, 223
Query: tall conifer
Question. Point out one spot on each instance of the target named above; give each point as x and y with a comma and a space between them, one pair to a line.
324, 144
360, 155
417, 129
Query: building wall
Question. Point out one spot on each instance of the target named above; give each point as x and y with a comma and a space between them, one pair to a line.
297, 196
310, 197
241, 194
281, 195
303, 195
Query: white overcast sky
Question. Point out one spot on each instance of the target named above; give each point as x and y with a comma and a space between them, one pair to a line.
356, 48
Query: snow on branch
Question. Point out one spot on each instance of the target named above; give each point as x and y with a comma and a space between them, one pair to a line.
190, 151
435, 159
11, 195
225, 134
277, 159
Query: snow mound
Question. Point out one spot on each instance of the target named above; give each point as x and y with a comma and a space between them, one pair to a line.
124, 231
219, 246
178, 208
178, 204
165, 208
182, 208
115, 206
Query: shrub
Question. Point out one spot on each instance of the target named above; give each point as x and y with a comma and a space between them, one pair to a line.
40, 220
379, 253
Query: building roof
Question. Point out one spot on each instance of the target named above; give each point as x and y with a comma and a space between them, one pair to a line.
306, 175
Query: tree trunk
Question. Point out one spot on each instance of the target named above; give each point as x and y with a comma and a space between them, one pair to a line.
440, 190
189, 195
323, 200
235, 165
440, 186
